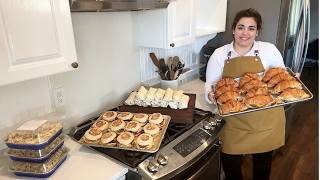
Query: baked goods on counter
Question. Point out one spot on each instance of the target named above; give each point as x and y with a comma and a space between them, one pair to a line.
142, 132
254, 91
157, 97
109, 115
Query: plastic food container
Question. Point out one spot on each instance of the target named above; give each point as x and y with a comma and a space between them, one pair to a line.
40, 170
34, 135
40, 155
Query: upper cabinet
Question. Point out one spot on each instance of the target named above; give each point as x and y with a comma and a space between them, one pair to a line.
210, 16
166, 28
36, 39
180, 23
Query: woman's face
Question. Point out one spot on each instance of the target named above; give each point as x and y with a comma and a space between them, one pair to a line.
245, 32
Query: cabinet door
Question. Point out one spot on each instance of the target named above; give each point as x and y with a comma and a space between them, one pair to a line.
36, 39
180, 23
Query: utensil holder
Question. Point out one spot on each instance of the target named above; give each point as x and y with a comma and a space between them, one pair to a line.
173, 84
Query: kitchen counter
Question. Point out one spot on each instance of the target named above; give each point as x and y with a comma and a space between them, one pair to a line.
84, 163
197, 87
81, 163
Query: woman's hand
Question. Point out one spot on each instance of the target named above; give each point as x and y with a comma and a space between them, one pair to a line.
211, 97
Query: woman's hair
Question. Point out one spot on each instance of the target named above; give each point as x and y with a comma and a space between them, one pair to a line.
248, 13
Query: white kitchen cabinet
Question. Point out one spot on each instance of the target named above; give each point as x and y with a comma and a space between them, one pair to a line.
36, 39
210, 16
166, 28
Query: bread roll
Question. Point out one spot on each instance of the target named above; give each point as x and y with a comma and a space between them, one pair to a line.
93, 134
232, 106
257, 91
117, 125
145, 141
225, 82
124, 115
133, 126
151, 129
184, 101
130, 100
227, 96
109, 115
278, 78
156, 118
140, 117
281, 86
259, 101
272, 72
125, 138
108, 137
293, 95
101, 124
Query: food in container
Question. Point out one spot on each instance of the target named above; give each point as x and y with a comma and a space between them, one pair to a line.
183, 102
144, 141
277, 87
34, 135
122, 135
101, 124
40, 170
40, 155
130, 100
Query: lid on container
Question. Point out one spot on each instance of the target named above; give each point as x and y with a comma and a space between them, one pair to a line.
34, 132
36, 154
40, 168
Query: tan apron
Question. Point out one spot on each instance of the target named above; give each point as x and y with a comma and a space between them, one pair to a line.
254, 132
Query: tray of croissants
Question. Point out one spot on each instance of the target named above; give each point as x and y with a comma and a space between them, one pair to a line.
258, 91
128, 131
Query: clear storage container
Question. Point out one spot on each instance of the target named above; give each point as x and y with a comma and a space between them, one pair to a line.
40, 155
34, 135
40, 170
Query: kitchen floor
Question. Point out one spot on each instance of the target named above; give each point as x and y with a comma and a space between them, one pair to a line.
298, 159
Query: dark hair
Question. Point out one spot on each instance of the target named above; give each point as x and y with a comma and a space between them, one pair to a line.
248, 13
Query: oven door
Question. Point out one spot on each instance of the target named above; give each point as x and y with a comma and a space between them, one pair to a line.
206, 167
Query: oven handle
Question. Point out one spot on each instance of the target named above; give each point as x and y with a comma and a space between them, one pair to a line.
199, 171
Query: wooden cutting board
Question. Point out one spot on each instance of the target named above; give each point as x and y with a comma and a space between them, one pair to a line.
177, 115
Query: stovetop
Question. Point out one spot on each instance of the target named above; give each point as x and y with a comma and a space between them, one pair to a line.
134, 158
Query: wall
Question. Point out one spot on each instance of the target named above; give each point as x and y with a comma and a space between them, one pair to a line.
314, 20
108, 70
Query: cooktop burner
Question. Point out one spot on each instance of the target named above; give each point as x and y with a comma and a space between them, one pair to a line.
133, 158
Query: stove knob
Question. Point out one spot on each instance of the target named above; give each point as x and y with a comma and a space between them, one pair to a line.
207, 126
153, 167
162, 159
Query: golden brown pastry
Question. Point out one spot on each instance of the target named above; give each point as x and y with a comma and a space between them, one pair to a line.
253, 84
293, 95
223, 89
272, 72
226, 81
257, 91
285, 85
232, 106
228, 95
248, 77
259, 101
279, 77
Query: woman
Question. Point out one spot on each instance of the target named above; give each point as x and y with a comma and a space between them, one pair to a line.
257, 133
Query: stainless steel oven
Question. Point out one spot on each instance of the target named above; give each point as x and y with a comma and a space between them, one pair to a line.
188, 151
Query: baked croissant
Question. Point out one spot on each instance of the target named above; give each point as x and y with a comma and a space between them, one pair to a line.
272, 72
228, 95
256, 91
279, 77
259, 101
293, 95
248, 77
226, 81
224, 89
232, 106
252, 84
281, 86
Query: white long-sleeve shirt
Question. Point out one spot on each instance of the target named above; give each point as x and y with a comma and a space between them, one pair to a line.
268, 53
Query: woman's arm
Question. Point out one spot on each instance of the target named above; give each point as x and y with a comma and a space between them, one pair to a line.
213, 74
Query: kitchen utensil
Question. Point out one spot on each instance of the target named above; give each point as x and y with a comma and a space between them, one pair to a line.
169, 63
155, 60
163, 68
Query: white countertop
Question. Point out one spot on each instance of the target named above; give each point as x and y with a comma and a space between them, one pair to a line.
81, 163
84, 163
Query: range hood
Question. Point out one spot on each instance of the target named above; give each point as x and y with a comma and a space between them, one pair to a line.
116, 5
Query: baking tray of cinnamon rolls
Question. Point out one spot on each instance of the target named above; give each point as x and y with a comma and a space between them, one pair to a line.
128, 131
258, 91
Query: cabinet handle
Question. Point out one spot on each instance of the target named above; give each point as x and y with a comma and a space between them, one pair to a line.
172, 45
75, 65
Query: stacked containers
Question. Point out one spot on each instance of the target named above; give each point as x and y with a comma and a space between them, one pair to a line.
36, 148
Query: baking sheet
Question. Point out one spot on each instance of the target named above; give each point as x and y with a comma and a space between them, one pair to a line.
272, 106
157, 139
